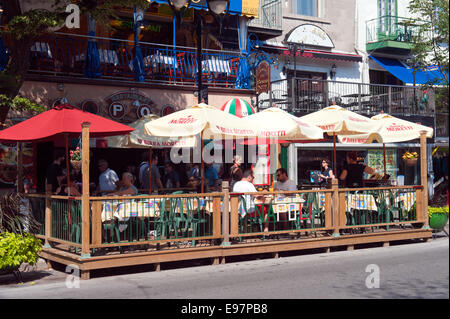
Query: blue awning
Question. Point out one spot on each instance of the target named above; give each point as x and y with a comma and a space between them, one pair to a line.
237, 7
404, 73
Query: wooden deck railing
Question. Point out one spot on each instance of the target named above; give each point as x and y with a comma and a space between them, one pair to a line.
186, 219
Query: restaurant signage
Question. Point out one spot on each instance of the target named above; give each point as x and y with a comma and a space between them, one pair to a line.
128, 106
262, 78
309, 34
117, 110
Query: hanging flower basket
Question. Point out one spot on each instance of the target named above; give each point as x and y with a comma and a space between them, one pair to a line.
76, 164
410, 158
75, 158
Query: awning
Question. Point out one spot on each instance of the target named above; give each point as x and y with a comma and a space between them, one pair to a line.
248, 8
314, 54
405, 73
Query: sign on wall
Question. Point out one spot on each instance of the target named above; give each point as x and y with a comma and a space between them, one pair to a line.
309, 34
128, 106
263, 78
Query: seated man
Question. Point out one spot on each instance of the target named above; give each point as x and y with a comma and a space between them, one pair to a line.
245, 185
283, 183
127, 187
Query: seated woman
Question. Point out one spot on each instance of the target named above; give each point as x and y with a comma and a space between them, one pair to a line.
127, 187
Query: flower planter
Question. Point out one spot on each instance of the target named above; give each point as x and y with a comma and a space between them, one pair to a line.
410, 161
76, 164
438, 220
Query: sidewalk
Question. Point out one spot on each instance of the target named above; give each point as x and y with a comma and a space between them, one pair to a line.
39, 274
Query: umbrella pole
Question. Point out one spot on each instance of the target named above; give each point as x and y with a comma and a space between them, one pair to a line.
67, 159
150, 154
202, 167
20, 188
334, 153
384, 160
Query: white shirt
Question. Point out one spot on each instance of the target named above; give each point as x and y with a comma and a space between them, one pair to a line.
107, 180
245, 187
286, 186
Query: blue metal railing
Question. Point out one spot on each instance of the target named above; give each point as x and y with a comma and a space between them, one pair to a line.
65, 54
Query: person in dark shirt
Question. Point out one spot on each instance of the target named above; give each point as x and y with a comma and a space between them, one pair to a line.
326, 175
352, 174
236, 170
172, 177
54, 173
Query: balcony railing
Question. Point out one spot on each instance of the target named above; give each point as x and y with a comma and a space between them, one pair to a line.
369, 99
65, 55
391, 28
270, 15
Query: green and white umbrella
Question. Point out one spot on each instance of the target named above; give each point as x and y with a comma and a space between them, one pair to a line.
238, 107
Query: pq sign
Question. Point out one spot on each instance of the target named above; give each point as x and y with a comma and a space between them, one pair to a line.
117, 110
143, 110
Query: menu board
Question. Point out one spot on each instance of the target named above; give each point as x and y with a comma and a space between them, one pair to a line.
8, 162
375, 160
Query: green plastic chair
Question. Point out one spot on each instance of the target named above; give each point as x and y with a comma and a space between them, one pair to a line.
192, 221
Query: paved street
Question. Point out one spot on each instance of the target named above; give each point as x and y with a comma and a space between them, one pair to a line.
417, 270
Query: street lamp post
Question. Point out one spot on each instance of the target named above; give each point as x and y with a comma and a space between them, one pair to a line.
293, 48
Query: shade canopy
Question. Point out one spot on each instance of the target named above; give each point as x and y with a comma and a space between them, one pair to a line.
139, 139
431, 74
390, 130
62, 119
275, 123
338, 120
201, 118
238, 107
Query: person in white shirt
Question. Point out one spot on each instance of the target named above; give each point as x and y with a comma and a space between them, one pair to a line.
108, 178
245, 185
283, 183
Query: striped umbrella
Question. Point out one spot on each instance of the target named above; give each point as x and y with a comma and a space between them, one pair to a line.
238, 107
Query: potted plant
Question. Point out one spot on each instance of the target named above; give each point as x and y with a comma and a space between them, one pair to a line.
438, 217
410, 158
75, 158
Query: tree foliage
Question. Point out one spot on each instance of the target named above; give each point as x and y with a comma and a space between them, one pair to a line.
431, 42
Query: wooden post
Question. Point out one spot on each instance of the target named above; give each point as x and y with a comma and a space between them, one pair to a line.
234, 218
216, 217
150, 154
202, 166
20, 188
96, 222
423, 174
334, 155
48, 215
85, 251
328, 210
335, 210
226, 214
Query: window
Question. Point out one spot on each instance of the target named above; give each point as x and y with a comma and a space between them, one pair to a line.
387, 12
305, 7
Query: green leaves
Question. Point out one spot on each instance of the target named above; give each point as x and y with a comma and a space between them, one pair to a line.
16, 249
15, 216
20, 103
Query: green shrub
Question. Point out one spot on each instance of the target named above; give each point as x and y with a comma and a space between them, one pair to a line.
16, 249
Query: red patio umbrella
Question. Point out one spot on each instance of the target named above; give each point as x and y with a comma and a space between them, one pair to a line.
63, 121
